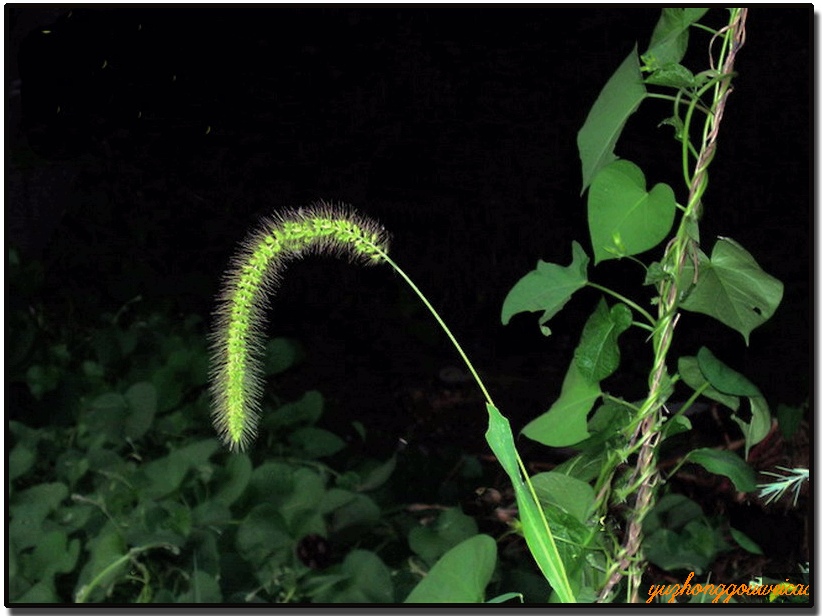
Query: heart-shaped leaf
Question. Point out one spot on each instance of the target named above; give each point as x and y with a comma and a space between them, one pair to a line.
568, 493
623, 218
461, 575
432, 541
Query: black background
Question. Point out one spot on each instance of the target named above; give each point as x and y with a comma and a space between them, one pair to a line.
145, 141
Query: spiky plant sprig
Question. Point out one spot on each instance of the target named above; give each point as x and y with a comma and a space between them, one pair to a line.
793, 481
251, 281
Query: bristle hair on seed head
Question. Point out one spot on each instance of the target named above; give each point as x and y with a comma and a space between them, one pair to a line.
250, 283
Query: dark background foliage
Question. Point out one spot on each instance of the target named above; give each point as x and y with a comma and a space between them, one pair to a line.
145, 141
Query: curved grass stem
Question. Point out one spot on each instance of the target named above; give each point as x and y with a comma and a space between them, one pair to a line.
441, 323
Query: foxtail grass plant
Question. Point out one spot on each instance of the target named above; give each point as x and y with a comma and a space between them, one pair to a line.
237, 344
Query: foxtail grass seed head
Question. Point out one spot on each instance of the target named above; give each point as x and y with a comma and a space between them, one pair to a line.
248, 287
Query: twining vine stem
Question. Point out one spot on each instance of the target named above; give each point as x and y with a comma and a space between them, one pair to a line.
645, 477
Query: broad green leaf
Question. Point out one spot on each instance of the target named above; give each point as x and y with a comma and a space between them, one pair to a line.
306, 410
41, 592
732, 288
547, 288
163, 476
672, 75
367, 580
461, 575
574, 540
202, 588
571, 495
597, 355
616, 102
298, 507
678, 536
53, 554
233, 479
310, 442
263, 535
360, 512
789, 418
211, 512
535, 528
722, 462
432, 541
724, 378
745, 542
693, 549
280, 355
688, 368
28, 510
106, 416
759, 426
584, 466
272, 482
565, 423
142, 405
42, 379
607, 423
21, 459
672, 511
625, 219
669, 41
334, 499
378, 476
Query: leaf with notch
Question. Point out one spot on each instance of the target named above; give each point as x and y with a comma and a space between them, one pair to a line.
547, 288
732, 288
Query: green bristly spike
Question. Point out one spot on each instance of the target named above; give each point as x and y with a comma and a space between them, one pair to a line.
253, 278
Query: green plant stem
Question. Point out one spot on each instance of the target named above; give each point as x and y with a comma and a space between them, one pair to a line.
441, 323
689, 402
86, 590
625, 301
675, 99
562, 587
